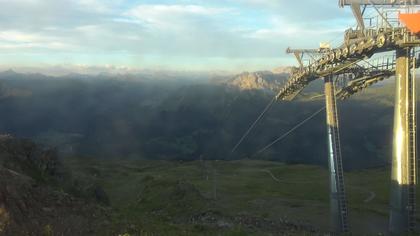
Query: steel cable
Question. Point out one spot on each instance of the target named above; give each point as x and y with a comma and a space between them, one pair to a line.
290, 131
266, 109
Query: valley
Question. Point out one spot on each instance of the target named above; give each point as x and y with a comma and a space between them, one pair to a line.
232, 197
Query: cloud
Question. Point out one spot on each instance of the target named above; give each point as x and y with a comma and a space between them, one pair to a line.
96, 5
318, 10
178, 33
12, 40
151, 12
175, 17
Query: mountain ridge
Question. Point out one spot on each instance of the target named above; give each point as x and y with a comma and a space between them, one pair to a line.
261, 80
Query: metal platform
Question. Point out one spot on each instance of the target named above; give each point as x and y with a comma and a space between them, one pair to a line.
352, 64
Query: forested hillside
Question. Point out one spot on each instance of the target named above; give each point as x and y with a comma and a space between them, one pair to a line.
187, 118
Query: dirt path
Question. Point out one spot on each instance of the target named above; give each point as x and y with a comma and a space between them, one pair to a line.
285, 182
371, 196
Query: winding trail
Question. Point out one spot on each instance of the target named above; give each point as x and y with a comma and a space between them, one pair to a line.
285, 182
371, 196
272, 176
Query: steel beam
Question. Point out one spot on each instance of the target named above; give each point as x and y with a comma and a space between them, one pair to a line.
357, 12
313, 51
404, 164
299, 58
338, 205
378, 2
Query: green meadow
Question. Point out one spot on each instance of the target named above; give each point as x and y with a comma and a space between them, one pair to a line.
245, 197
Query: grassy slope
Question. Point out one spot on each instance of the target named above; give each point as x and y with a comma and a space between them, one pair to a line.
162, 197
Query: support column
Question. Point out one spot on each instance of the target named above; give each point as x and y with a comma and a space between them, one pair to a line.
404, 163
338, 205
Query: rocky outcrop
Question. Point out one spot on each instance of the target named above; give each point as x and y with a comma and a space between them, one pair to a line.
33, 194
25, 157
28, 208
263, 80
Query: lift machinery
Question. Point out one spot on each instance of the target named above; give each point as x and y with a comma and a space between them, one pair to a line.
400, 37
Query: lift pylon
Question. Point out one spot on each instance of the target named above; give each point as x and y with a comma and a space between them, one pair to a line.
396, 28
338, 204
404, 163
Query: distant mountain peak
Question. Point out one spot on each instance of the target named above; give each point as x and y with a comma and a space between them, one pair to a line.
259, 80
9, 72
282, 70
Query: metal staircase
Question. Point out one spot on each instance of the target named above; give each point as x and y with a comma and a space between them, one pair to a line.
412, 157
339, 213
342, 201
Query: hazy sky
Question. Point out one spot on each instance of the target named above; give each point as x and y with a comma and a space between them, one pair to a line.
165, 34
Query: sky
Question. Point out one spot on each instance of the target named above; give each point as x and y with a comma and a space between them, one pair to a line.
219, 35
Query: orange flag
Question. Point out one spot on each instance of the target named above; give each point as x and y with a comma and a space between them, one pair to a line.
412, 21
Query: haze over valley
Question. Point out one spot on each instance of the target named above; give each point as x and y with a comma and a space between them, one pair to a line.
204, 118
185, 117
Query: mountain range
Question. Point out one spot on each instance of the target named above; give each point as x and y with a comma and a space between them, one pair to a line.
189, 116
